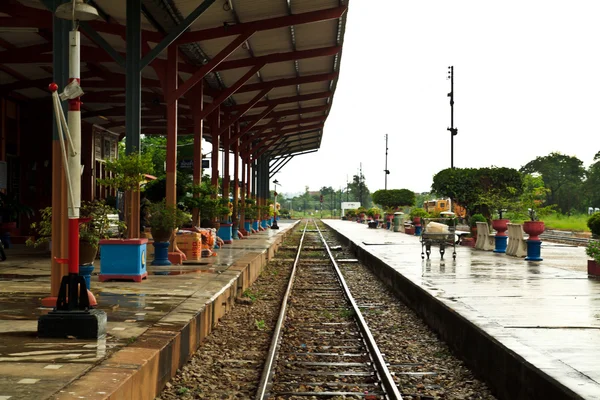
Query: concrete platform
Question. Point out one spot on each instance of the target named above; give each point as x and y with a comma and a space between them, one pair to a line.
153, 326
531, 329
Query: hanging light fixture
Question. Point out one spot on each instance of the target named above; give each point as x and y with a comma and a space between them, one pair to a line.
77, 10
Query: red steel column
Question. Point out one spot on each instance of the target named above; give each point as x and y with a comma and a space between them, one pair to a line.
226, 177
214, 118
236, 182
172, 82
197, 105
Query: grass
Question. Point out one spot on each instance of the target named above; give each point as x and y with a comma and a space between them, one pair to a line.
182, 390
260, 324
251, 295
575, 223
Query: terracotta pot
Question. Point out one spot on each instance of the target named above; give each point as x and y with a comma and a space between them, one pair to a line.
593, 268
160, 235
474, 231
87, 252
533, 229
500, 225
417, 220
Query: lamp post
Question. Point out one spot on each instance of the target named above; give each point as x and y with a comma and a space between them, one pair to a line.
386, 170
73, 314
274, 224
452, 129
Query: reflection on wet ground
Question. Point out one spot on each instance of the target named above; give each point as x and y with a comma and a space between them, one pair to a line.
34, 368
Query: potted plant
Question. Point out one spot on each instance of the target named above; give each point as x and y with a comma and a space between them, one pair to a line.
164, 220
361, 211
99, 227
224, 211
416, 214
374, 212
250, 215
593, 251
593, 223
128, 172
475, 218
350, 214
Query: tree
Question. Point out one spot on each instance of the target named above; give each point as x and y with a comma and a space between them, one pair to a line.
394, 198
466, 186
562, 175
359, 190
592, 184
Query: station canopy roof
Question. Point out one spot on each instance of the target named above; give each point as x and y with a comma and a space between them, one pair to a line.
293, 59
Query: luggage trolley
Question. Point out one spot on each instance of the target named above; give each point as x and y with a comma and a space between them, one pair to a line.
440, 232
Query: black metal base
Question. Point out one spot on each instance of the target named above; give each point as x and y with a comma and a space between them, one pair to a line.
274, 225
81, 324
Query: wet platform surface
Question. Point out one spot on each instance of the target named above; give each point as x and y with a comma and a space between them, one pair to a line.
547, 312
34, 368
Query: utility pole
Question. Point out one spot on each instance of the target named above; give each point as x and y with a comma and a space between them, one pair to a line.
452, 129
346, 188
360, 189
387, 171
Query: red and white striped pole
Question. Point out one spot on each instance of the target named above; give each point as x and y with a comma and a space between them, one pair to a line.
74, 157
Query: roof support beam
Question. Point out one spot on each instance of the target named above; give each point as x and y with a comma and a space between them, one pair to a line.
224, 95
279, 57
280, 125
285, 100
277, 169
263, 25
295, 111
211, 65
246, 107
175, 33
294, 154
288, 82
100, 41
251, 125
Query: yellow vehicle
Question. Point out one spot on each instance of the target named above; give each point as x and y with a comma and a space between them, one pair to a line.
438, 206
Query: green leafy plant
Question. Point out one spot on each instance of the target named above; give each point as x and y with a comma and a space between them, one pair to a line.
99, 226
260, 324
593, 223
128, 172
250, 294
350, 213
534, 197
498, 200
418, 212
250, 209
475, 218
593, 250
164, 218
373, 211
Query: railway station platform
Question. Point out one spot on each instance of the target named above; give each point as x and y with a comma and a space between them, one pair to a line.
153, 326
530, 329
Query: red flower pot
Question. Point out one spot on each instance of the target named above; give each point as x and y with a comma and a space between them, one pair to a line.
593, 268
501, 225
533, 229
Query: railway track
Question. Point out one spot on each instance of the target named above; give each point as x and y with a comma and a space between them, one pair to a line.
564, 238
322, 346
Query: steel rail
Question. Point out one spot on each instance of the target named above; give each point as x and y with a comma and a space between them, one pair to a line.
268, 370
384, 374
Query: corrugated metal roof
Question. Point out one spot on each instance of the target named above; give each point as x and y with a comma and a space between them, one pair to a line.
165, 14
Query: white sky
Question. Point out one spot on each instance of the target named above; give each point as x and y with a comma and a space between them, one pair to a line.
526, 83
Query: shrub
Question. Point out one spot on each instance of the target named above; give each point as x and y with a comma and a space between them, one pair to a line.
594, 224
593, 250
476, 218
418, 212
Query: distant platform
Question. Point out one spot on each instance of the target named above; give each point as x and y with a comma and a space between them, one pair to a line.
532, 329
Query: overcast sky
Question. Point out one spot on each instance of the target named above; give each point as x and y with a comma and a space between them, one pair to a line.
526, 83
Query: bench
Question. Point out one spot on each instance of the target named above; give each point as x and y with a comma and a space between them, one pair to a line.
517, 246
484, 240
